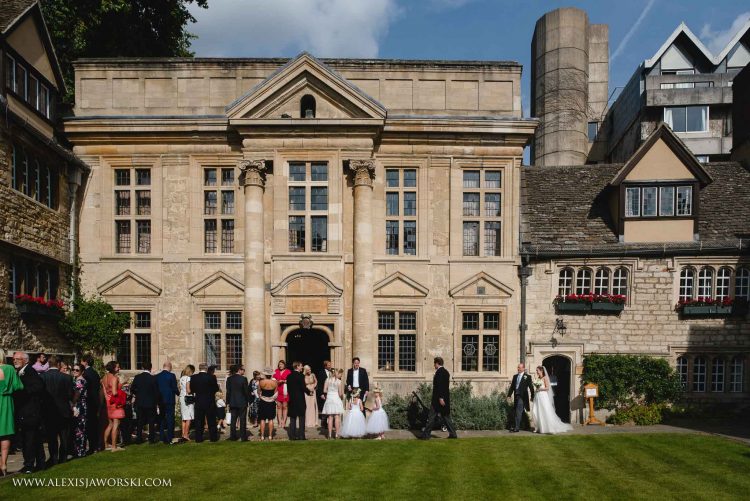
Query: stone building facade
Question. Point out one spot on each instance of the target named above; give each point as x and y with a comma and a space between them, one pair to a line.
39, 185
619, 229
251, 210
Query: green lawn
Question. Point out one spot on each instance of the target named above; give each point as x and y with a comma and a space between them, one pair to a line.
657, 466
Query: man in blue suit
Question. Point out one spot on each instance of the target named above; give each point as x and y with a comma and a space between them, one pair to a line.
167, 384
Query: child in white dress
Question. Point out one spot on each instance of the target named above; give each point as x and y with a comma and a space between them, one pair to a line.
377, 423
354, 421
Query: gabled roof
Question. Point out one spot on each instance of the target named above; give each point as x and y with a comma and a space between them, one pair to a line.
675, 144
684, 30
13, 12
305, 62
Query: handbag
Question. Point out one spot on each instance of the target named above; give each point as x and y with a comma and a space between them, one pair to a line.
189, 399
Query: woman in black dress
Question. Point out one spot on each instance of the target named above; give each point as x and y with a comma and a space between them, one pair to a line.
267, 403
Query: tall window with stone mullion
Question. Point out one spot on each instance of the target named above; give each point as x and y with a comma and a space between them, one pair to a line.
134, 348
480, 341
222, 333
397, 341
218, 210
308, 206
132, 207
482, 212
401, 212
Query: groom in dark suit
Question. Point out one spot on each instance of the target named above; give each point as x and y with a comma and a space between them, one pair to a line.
356, 378
441, 401
520, 387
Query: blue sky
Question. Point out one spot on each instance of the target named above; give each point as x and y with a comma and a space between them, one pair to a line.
447, 29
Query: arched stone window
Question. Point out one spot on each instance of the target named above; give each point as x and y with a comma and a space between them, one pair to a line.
307, 106
717, 375
682, 371
583, 281
601, 281
566, 282
723, 279
620, 282
705, 282
699, 374
737, 374
687, 283
742, 284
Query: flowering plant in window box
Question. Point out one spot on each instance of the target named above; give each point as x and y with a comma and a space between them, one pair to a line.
35, 305
608, 302
573, 302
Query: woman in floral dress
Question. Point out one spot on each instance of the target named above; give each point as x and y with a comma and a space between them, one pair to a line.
80, 409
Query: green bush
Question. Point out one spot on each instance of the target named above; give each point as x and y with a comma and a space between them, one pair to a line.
469, 412
627, 380
641, 415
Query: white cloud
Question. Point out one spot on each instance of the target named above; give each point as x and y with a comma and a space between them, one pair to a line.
631, 31
325, 28
717, 40
448, 4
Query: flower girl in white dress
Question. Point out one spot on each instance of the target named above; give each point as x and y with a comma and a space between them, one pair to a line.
377, 423
354, 421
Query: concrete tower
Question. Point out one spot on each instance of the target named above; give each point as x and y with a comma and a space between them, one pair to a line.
569, 85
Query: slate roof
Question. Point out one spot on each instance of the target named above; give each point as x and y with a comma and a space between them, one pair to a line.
10, 11
565, 210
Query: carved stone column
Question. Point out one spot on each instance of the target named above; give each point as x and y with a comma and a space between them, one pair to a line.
362, 328
253, 179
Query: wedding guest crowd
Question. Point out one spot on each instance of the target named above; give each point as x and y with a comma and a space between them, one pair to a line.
60, 404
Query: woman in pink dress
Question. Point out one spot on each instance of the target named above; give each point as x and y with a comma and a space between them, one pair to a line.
115, 399
280, 375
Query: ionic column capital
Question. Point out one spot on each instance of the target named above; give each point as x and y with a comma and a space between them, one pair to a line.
253, 172
363, 171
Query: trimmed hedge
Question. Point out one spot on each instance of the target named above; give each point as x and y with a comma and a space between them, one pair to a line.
469, 412
641, 415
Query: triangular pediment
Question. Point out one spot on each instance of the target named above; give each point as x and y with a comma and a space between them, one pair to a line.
306, 284
129, 283
279, 96
399, 285
662, 157
218, 284
481, 285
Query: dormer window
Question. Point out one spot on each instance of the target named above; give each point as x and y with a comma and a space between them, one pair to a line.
650, 201
307, 106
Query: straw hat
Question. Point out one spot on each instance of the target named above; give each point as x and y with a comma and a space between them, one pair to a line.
267, 371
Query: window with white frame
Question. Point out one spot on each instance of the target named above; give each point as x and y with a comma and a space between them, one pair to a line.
717, 375
705, 282
714, 282
699, 374
397, 341
565, 282
601, 281
219, 193
687, 283
308, 206
583, 281
723, 281
134, 348
401, 212
222, 333
737, 374
482, 212
480, 341
620, 282
682, 371
687, 118
31, 87
650, 201
132, 184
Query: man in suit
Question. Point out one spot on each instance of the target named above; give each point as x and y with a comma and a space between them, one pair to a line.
295, 385
58, 415
441, 401
356, 377
204, 387
166, 382
237, 398
324, 374
28, 411
93, 387
520, 387
145, 399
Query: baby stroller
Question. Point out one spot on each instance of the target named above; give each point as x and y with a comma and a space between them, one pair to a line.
423, 414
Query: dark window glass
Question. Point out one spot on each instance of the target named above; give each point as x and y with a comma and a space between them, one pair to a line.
234, 349
122, 202
407, 321
469, 353
227, 202
391, 204
142, 349
492, 238
471, 238
492, 204
144, 236
491, 321
143, 177
227, 177
319, 172
407, 352
296, 198
212, 320
490, 353
386, 352
319, 228
387, 320
209, 202
391, 178
143, 202
410, 178
297, 172
123, 237
410, 238
209, 235
592, 130
122, 177
471, 204
227, 236
471, 179
142, 319
391, 237
234, 320
492, 179
297, 233
122, 352
319, 198
410, 203
209, 177
470, 321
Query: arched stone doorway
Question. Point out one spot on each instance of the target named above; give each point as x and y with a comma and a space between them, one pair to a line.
558, 368
309, 346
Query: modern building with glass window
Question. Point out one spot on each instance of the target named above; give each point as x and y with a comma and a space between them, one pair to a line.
40, 186
251, 210
685, 86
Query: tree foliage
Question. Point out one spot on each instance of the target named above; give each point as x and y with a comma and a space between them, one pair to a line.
94, 326
627, 380
117, 28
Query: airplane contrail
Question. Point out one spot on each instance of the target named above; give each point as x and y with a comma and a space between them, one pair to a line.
632, 30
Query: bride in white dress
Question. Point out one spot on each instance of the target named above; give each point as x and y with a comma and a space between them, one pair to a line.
545, 417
